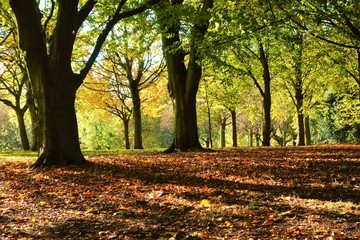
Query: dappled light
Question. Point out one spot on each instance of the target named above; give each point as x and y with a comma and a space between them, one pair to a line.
284, 192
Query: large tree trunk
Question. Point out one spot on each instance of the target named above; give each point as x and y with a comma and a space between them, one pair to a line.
136, 115
61, 144
301, 129
266, 96
299, 95
53, 83
234, 128
184, 80
186, 132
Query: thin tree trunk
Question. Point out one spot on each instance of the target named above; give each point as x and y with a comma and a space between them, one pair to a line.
210, 128
300, 117
22, 129
250, 138
33, 118
307, 131
284, 137
257, 138
234, 128
126, 133
222, 132
208, 108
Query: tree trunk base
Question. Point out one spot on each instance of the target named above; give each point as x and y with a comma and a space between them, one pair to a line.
47, 159
174, 148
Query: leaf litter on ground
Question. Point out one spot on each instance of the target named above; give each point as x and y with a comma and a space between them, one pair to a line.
238, 193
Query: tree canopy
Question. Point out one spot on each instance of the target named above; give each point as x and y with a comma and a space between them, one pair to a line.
284, 72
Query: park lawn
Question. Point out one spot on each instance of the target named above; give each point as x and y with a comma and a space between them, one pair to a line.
243, 193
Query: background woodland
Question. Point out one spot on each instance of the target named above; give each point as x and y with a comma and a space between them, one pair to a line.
291, 69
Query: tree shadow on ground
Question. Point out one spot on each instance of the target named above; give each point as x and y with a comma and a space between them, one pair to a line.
316, 179
256, 184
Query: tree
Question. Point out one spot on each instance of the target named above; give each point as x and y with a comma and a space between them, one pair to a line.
133, 60
12, 85
248, 46
111, 95
48, 52
122, 110
333, 22
184, 65
14, 80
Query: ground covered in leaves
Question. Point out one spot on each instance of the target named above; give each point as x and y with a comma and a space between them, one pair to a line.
247, 193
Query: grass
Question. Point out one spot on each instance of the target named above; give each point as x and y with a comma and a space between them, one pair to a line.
30, 156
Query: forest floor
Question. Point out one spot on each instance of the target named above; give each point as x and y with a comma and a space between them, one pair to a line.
246, 193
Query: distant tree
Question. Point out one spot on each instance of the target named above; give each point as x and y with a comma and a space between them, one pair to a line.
112, 96
13, 82
133, 62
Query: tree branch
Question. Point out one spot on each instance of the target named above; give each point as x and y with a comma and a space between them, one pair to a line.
110, 24
84, 12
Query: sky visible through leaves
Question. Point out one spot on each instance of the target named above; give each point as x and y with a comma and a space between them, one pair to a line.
247, 193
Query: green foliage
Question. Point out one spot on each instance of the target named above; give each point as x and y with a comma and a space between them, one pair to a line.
329, 65
154, 134
97, 133
9, 136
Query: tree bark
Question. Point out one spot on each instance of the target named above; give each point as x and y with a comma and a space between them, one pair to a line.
307, 131
210, 141
222, 132
22, 129
33, 116
299, 95
53, 83
126, 133
234, 128
135, 96
184, 80
250, 138
266, 96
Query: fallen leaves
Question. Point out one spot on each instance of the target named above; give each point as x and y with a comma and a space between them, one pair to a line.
250, 193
